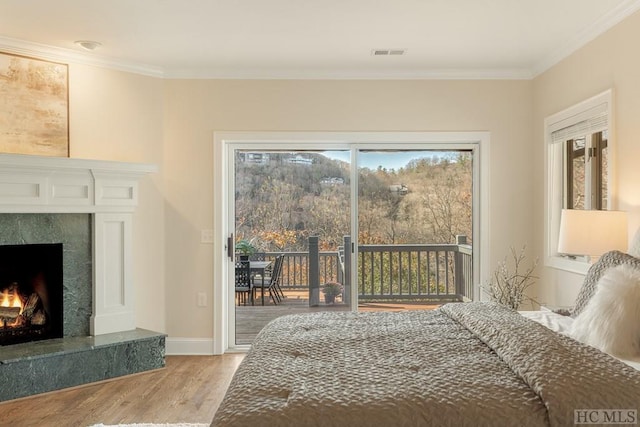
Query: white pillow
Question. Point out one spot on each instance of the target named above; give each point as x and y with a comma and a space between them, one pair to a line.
611, 319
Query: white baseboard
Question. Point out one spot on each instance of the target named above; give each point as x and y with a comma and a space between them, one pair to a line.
176, 346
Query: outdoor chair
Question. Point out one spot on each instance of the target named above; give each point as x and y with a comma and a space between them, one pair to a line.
271, 282
244, 287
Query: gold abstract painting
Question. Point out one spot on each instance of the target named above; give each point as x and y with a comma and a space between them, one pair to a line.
34, 106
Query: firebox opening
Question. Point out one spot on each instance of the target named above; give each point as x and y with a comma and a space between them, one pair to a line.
31, 302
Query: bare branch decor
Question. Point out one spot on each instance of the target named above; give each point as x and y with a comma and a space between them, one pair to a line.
511, 280
34, 112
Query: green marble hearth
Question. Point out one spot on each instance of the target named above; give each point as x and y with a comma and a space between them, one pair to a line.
42, 366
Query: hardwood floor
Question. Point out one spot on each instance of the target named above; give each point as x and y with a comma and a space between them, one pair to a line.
189, 389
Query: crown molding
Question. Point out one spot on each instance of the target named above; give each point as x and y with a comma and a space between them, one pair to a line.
56, 54
606, 22
301, 74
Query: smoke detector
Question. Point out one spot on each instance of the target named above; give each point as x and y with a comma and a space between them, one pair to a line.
89, 45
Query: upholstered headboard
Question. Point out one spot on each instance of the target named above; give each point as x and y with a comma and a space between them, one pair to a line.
606, 261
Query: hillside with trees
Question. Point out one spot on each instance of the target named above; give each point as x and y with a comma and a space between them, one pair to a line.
283, 198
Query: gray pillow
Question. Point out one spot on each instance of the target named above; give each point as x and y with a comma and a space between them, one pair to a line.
606, 261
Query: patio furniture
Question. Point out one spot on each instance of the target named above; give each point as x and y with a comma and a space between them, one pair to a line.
258, 271
258, 256
271, 282
244, 287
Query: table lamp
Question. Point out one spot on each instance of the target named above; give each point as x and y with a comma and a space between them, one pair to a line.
592, 232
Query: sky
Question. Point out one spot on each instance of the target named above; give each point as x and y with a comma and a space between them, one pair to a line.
386, 159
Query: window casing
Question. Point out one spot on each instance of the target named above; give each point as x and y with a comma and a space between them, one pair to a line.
578, 169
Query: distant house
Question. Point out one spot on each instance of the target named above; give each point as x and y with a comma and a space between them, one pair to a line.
334, 180
299, 160
400, 189
256, 158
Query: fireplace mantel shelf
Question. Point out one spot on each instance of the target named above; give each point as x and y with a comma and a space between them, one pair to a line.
36, 184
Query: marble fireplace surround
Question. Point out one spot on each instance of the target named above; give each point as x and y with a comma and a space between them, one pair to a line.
106, 193
106, 190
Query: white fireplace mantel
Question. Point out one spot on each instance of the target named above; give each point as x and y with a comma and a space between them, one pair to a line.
35, 184
108, 191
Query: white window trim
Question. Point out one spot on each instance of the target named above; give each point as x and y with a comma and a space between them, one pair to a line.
554, 170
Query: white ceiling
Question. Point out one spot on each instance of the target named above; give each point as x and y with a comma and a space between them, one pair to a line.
311, 38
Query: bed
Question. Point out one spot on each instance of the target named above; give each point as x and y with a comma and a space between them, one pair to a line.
475, 364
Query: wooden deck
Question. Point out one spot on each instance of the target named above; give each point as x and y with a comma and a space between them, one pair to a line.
251, 319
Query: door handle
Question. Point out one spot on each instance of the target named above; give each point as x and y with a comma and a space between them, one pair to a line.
230, 247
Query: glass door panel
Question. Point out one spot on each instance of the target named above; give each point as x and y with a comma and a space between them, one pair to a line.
294, 205
414, 227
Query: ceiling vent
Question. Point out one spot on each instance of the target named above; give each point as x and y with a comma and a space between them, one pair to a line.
388, 52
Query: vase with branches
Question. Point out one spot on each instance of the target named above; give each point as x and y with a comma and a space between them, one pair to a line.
510, 281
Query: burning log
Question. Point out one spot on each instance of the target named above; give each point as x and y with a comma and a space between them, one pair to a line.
16, 316
31, 305
9, 313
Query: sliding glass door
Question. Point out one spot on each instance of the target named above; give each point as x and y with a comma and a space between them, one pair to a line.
354, 226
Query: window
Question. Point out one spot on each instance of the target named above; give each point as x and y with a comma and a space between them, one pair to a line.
585, 178
578, 168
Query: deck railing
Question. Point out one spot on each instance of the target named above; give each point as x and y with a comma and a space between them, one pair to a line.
295, 268
409, 272
389, 272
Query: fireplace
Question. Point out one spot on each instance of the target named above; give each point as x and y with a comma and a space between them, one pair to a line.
31, 303
81, 210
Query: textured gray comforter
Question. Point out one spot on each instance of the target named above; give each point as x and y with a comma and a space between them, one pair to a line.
473, 364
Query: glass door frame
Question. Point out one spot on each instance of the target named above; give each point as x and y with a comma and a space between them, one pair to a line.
224, 146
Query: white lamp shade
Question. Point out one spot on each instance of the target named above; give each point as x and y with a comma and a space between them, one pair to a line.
592, 232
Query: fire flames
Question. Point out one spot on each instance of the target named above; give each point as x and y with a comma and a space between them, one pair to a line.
10, 300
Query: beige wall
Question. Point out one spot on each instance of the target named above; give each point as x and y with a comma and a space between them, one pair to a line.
197, 108
610, 61
119, 116
122, 116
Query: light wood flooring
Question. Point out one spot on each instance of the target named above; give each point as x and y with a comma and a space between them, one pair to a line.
189, 390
